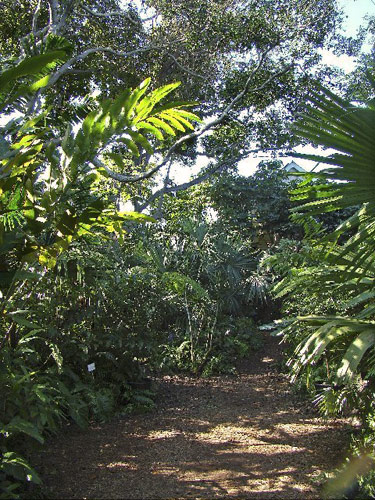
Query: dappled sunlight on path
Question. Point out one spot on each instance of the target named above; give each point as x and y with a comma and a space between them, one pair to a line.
242, 437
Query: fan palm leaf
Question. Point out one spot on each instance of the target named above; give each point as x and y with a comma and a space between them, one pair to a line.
349, 129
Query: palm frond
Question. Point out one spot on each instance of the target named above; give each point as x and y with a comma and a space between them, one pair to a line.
349, 267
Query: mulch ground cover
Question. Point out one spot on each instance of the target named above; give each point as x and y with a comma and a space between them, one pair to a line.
248, 436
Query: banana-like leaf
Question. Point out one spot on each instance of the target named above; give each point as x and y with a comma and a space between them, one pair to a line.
174, 114
19, 425
160, 93
358, 334
141, 140
37, 67
17, 467
174, 122
135, 96
52, 208
131, 145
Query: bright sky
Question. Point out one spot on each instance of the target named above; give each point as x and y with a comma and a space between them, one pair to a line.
355, 11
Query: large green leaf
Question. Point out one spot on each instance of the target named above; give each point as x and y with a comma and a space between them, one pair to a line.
18, 424
16, 466
30, 66
354, 354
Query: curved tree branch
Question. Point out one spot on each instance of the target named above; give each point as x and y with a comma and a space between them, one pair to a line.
65, 67
34, 27
114, 13
186, 70
180, 187
129, 179
54, 8
229, 107
126, 179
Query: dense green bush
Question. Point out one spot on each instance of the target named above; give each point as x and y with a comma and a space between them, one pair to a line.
68, 300
232, 340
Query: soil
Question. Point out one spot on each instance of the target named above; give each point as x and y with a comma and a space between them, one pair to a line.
248, 436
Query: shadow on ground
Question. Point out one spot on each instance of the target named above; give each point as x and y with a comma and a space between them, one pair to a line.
223, 437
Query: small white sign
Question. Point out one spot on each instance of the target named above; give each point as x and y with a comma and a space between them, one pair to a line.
91, 367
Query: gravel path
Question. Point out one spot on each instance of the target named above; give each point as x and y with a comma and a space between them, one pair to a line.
240, 437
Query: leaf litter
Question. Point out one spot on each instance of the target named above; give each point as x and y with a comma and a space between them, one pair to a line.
247, 436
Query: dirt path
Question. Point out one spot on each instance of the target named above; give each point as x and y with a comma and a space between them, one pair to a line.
223, 437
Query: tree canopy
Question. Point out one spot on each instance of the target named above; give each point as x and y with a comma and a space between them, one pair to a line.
249, 64
88, 122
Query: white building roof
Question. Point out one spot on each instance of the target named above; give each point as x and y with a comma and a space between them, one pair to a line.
293, 167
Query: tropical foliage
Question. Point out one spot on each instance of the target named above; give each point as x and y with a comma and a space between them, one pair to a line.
335, 339
95, 299
346, 265
51, 205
